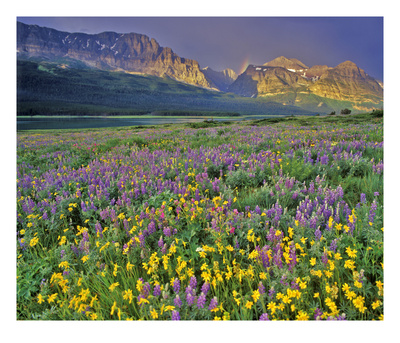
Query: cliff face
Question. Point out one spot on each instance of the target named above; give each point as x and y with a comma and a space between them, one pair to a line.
348, 82
292, 78
109, 50
265, 80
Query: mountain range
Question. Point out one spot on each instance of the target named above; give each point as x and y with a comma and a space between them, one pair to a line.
286, 81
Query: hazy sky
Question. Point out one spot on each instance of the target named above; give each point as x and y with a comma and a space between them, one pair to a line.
233, 42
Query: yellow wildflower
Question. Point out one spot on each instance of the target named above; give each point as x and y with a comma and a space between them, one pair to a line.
129, 266
376, 304
249, 304
318, 273
272, 307
51, 298
154, 314
34, 241
40, 298
349, 264
345, 287
351, 253
113, 286
302, 316
256, 295
113, 308
337, 256
128, 295
357, 284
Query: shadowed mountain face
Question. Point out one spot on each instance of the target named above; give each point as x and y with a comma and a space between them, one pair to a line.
221, 79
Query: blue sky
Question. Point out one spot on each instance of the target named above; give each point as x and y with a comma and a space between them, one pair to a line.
228, 42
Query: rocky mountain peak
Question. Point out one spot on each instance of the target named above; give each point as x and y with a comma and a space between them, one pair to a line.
347, 65
288, 63
131, 52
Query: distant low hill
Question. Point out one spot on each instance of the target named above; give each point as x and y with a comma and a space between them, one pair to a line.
67, 88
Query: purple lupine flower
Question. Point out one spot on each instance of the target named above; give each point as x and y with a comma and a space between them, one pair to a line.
175, 315
146, 289
311, 189
141, 239
363, 198
190, 299
205, 288
271, 292
140, 296
167, 231
177, 301
293, 257
157, 290
324, 258
376, 194
75, 250
318, 234
53, 209
99, 229
318, 313
282, 281
160, 242
338, 317
294, 285
62, 253
333, 245
277, 258
193, 282
372, 211
264, 316
189, 289
213, 303
201, 300
261, 288
176, 285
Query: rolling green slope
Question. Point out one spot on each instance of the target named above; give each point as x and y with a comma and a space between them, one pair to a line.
49, 88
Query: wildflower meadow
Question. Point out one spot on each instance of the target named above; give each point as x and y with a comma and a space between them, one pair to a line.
204, 221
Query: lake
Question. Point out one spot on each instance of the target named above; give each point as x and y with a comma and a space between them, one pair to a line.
56, 123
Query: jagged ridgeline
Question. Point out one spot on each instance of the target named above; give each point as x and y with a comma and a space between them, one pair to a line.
317, 89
